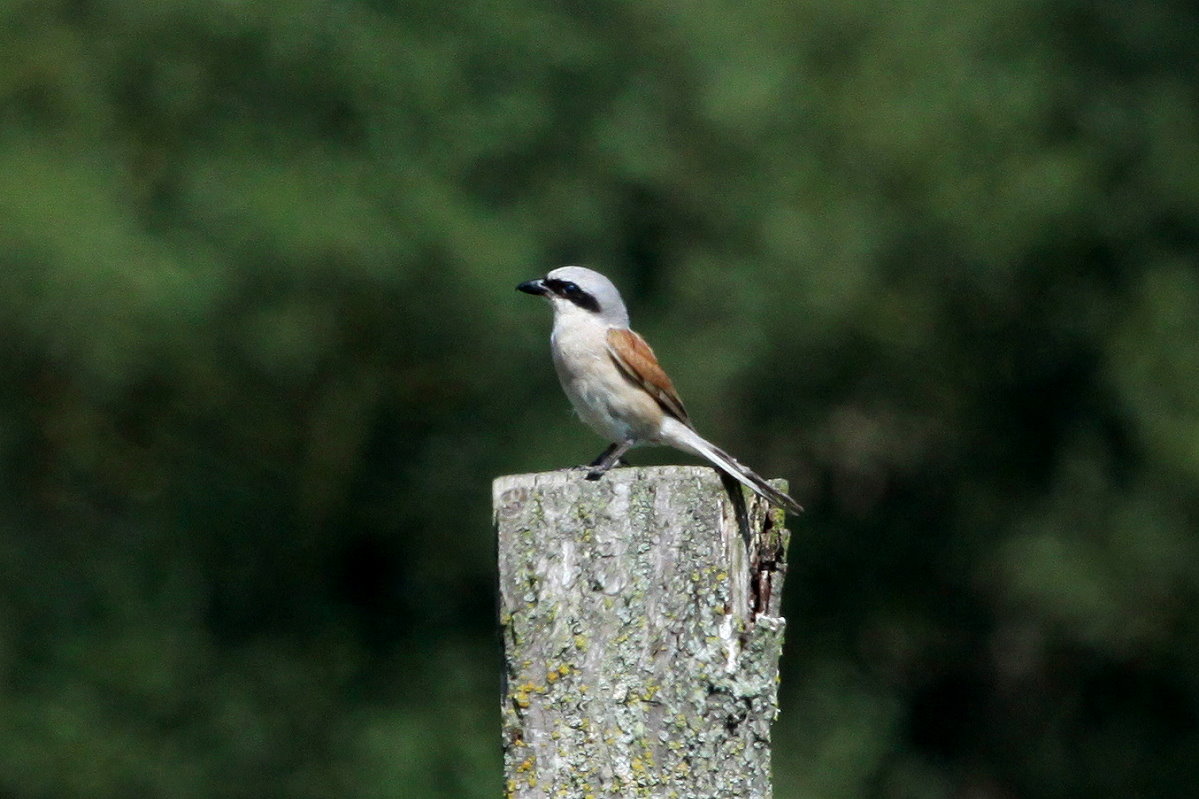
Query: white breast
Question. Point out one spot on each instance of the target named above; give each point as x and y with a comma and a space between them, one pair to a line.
601, 395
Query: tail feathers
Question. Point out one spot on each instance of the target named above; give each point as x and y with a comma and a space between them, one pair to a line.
694, 443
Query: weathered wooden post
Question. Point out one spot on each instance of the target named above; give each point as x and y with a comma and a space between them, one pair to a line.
641, 628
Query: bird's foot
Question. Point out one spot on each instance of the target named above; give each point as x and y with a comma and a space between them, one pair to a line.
610, 457
595, 472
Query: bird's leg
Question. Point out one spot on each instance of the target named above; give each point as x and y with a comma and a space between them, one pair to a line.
602, 456
587, 467
608, 459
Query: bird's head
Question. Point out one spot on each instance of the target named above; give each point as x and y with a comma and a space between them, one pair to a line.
576, 289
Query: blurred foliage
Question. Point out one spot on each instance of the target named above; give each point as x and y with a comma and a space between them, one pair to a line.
937, 264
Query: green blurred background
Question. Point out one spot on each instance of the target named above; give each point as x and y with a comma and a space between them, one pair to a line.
262, 356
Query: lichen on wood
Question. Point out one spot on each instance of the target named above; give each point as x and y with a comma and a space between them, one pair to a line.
641, 634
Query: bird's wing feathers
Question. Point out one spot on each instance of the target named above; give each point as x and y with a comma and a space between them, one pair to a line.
636, 361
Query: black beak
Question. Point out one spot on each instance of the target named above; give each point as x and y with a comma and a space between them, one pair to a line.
533, 287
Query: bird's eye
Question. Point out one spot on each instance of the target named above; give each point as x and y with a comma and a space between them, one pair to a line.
564, 288
569, 290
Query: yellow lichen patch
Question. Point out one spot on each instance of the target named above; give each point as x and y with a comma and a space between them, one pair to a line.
524, 765
521, 695
563, 670
581, 643
647, 754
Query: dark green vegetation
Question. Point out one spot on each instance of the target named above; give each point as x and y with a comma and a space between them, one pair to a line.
935, 263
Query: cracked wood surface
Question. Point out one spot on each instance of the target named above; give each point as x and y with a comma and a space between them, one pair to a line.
641, 630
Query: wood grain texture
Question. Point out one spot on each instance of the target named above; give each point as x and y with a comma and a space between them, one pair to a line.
641, 634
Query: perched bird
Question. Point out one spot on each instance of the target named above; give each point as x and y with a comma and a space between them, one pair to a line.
614, 381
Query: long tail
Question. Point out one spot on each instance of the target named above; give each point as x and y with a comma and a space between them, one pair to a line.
682, 437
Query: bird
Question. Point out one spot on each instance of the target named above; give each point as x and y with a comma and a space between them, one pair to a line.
614, 380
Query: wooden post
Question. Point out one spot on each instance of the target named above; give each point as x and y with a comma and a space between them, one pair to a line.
641, 628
